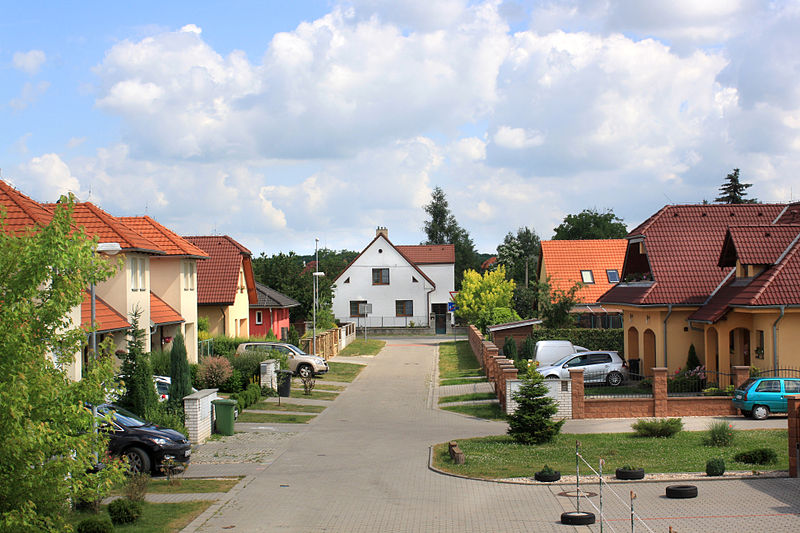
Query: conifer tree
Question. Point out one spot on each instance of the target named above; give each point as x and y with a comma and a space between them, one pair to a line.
532, 422
180, 375
734, 191
140, 393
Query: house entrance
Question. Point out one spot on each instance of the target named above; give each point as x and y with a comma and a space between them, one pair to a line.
440, 320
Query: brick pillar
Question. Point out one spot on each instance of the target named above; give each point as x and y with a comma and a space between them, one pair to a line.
576, 377
794, 433
660, 406
491, 361
740, 375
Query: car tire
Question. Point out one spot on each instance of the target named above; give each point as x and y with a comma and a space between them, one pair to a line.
760, 412
138, 461
552, 376
681, 491
577, 518
305, 371
614, 379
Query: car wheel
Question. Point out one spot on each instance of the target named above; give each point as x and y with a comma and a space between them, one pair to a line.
760, 412
138, 461
551, 376
305, 371
614, 379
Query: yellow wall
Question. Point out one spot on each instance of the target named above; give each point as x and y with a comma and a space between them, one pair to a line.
216, 318
117, 292
678, 340
167, 282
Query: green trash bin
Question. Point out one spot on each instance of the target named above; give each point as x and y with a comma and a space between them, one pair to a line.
224, 409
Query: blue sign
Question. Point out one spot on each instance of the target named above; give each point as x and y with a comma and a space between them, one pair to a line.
451, 306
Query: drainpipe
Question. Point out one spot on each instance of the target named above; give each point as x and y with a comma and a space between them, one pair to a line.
669, 312
775, 340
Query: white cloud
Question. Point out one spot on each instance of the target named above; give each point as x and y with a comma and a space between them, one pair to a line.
517, 138
30, 94
29, 62
49, 177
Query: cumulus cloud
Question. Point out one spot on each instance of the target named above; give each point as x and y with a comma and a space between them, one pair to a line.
29, 62
49, 177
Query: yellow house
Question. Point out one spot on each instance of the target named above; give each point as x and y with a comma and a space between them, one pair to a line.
226, 285
722, 277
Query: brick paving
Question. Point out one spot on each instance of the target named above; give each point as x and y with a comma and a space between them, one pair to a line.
361, 466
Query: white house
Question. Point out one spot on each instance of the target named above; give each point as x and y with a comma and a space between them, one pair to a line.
405, 285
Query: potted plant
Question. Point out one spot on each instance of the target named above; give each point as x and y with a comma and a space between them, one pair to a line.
630, 472
547, 475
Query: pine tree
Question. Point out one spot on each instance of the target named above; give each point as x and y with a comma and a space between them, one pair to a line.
532, 422
692, 361
734, 192
180, 375
510, 348
140, 393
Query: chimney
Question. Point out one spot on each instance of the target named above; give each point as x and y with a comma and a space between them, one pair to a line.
380, 230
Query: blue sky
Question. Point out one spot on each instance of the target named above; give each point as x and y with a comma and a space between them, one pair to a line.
277, 122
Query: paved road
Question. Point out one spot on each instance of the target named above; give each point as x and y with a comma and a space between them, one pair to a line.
361, 466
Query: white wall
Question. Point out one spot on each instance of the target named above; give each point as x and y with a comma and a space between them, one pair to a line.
443, 275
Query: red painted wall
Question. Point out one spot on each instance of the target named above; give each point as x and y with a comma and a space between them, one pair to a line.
274, 319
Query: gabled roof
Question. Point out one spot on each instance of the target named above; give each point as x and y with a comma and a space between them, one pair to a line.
564, 260
756, 245
106, 318
167, 240
161, 313
218, 276
109, 228
489, 262
683, 243
426, 254
270, 298
22, 212
404, 256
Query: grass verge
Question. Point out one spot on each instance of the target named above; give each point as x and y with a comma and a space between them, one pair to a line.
500, 457
273, 418
457, 361
468, 397
345, 372
297, 407
156, 517
315, 394
489, 411
192, 485
363, 347
461, 381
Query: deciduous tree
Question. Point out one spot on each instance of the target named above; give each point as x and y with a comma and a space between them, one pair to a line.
555, 305
486, 299
590, 224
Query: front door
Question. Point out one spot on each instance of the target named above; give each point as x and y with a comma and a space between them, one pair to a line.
440, 312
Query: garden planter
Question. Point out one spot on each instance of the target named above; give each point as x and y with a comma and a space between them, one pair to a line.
633, 473
547, 477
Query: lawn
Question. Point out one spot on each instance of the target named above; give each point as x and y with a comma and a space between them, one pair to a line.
192, 485
457, 361
468, 397
500, 457
315, 394
489, 411
363, 347
273, 418
461, 381
297, 383
345, 372
156, 517
297, 407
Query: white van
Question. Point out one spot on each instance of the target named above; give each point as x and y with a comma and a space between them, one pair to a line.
548, 352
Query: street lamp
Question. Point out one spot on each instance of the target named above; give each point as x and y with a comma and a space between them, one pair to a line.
316, 275
108, 248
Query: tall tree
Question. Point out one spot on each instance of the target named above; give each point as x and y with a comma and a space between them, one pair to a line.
180, 375
555, 305
733, 191
442, 228
590, 224
520, 255
486, 299
140, 395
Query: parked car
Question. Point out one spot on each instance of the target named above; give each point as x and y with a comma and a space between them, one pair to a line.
300, 363
162, 387
548, 352
598, 367
145, 445
761, 396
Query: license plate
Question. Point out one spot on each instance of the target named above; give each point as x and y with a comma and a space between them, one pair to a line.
188, 453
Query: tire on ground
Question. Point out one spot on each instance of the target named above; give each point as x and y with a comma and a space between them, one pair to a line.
575, 518
681, 491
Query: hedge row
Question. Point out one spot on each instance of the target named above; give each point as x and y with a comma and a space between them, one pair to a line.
247, 397
591, 338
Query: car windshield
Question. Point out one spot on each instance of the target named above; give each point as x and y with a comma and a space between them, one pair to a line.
746, 384
562, 360
121, 416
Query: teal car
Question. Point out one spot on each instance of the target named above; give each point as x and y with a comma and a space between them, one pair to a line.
761, 396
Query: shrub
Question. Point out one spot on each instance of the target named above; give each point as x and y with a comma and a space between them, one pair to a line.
715, 466
124, 511
663, 427
719, 434
531, 423
547, 470
165, 415
95, 524
193, 373
293, 337
214, 371
247, 397
757, 456
510, 348
528, 348
233, 383
136, 487
249, 364
692, 361
159, 361
181, 379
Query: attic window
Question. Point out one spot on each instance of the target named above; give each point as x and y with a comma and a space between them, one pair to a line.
613, 275
347, 280
414, 280
587, 276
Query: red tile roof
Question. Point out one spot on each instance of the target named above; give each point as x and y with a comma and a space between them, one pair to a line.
21, 212
564, 260
106, 317
167, 240
162, 313
790, 214
683, 244
218, 276
756, 245
426, 254
489, 262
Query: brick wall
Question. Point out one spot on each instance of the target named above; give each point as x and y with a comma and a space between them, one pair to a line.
794, 434
497, 368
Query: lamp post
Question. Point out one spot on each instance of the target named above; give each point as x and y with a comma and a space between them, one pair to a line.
314, 308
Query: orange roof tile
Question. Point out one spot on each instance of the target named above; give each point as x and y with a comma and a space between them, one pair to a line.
218, 276
564, 260
21, 212
106, 318
162, 313
167, 240
425, 254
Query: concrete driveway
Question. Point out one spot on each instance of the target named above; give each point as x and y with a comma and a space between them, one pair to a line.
361, 466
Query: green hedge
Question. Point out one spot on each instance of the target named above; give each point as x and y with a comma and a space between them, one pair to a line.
591, 338
247, 397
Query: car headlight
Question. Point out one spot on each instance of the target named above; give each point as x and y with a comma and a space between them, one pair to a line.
160, 441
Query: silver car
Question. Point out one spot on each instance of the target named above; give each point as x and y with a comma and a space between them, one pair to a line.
300, 363
597, 367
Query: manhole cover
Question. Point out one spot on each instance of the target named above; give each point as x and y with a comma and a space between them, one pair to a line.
574, 493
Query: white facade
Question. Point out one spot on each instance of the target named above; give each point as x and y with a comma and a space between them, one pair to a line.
390, 301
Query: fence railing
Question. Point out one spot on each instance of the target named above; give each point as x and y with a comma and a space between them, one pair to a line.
205, 348
778, 373
390, 321
633, 386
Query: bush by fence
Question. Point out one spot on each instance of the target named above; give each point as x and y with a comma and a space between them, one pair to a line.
593, 339
247, 397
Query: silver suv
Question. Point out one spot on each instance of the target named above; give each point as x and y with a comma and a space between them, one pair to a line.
598, 367
300, 363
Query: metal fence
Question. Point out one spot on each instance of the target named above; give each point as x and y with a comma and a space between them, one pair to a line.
631, 386
373, 321
205, 348
777, 373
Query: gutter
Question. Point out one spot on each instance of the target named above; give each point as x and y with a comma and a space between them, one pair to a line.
775, 339
669, 312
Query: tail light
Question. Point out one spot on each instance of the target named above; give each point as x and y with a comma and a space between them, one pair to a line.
624, 364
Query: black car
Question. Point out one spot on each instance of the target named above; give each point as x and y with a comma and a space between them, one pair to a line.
146, 445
